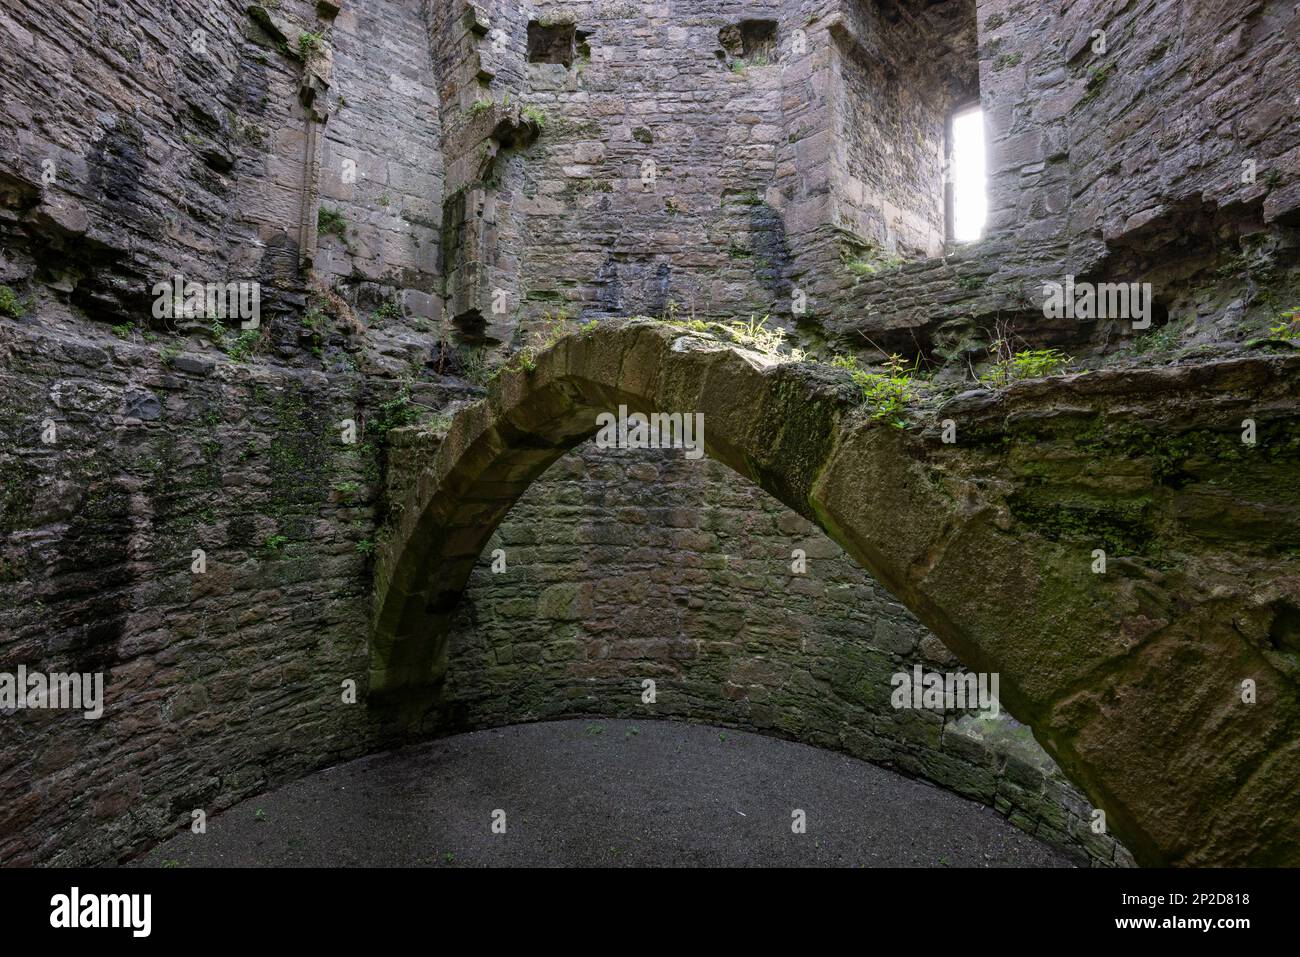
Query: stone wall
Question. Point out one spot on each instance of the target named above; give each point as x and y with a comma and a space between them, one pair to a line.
382, 171
623, 565
670, 171
896, 85
1122, 165
218, 682
199, 139
205, 137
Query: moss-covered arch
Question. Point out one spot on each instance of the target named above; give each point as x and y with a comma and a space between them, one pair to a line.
1130, 679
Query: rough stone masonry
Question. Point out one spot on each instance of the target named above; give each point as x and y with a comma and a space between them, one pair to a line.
432, 195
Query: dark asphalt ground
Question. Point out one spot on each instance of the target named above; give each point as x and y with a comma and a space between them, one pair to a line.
604, 792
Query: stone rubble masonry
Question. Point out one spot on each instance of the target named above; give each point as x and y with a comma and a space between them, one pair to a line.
217, 685
224, 684
182, 139
163, 160
1125, 165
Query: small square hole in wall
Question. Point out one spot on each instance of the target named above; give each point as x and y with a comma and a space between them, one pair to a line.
750, 40
551, 44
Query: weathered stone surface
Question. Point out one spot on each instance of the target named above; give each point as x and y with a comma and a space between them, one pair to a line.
339, 156
991, 550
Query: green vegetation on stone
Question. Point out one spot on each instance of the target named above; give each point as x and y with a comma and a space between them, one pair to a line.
872, 263
244, 345
1159, 340
9, 304
331, 221
1097, 78
534, 115
1026, 364
844, 362
886, 393
392, 414
1289, 327
437, 422
391, 309
310, 43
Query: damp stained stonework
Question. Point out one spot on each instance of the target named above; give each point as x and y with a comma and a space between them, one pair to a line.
374, 518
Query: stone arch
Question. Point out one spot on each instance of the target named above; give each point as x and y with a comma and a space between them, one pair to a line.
1130, 679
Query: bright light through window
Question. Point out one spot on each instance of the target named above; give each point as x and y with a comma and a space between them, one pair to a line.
969, 204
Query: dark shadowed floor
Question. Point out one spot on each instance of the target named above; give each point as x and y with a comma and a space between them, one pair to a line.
598, 792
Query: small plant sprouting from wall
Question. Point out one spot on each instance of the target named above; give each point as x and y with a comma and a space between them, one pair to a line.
474, 365
309, 44
863, 266
168, 354
690, 325
389, 310
1289, 328
535, 115
393, 414
9, 304
1097, 78
754, 334
751, 333
437, 422
1025, 364
555, 327
887, 393
244, 345
525, 360
331, 222
1160, 340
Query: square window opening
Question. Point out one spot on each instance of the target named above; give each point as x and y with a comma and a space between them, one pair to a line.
750, 40
552, 44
